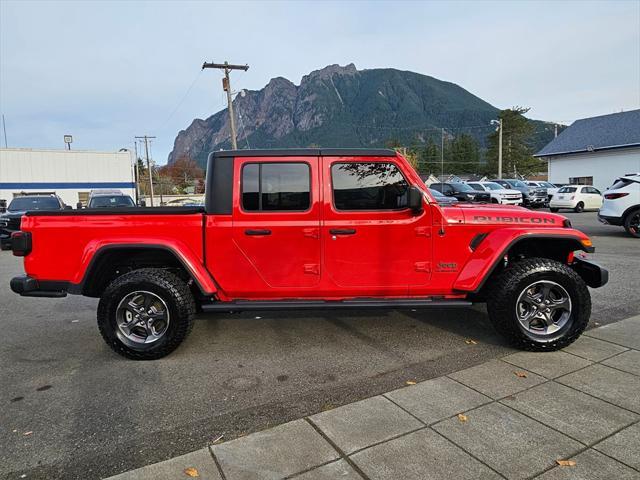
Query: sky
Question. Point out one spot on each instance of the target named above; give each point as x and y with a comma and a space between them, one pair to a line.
106, 71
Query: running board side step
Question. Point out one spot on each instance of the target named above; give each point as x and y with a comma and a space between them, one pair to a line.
399, 303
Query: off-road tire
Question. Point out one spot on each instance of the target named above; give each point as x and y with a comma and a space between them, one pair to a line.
579, 208
173, 291
632, 230
508, 285
554, 210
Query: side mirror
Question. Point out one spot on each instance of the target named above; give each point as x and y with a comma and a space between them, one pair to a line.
414, 199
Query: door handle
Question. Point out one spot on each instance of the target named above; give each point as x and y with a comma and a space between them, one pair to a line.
257, 232
342, 231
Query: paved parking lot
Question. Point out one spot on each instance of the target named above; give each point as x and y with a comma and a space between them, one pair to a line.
94, 414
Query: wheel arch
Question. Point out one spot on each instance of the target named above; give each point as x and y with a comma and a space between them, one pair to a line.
111, 261
490, 257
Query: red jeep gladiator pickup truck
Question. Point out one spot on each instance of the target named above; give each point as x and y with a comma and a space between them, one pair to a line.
310, 229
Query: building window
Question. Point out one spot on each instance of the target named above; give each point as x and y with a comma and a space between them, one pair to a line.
581, 180
368, 186
276, 187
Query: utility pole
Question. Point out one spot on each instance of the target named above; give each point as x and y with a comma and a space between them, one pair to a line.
146, 151
4, 127
135, 147
226, 86
500, 148
442, 154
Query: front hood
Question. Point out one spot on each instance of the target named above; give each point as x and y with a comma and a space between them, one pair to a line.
509, 215
12, 214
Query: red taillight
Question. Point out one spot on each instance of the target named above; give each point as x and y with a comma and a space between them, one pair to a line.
21, 243
613, 196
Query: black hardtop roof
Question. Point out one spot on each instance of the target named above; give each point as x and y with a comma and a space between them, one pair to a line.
308, 152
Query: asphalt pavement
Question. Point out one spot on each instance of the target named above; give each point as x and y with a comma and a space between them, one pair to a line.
74, 409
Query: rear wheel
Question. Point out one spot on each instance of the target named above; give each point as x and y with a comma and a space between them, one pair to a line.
494, 200
145, 314
539, 304
632, 223
579, 207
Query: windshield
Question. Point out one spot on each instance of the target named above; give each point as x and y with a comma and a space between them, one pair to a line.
463, 187
516, 183
436, 193
493, 186
111, 201
547, 184
567, 190
22, 204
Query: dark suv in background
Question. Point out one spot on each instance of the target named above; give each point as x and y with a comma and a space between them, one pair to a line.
10, 220
533, 197
462, 192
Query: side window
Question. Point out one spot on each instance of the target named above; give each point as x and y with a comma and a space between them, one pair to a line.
476, 186
276, 187
368, 186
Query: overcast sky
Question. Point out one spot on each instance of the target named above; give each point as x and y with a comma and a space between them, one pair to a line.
105, 71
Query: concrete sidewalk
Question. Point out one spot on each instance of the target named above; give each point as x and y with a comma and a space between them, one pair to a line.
520, 414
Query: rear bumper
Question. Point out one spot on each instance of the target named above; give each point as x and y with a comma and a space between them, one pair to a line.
27, 286
610, 220
593, 274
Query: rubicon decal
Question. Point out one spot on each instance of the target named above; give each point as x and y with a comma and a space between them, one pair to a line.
510, 219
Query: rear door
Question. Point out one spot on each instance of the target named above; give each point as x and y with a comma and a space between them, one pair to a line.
372, 243
276, 220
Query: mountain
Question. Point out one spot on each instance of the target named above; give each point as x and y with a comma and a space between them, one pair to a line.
345, 107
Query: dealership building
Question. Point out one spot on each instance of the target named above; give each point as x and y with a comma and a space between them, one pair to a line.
595, 151
70, 174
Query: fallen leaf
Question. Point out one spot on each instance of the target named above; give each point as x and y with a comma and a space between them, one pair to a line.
566, 463
462, 417
27, 433
470, 342
191, 472
521, 374
410, 382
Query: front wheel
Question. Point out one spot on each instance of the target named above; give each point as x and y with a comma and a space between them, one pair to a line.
146, 314
579, 207
539, 304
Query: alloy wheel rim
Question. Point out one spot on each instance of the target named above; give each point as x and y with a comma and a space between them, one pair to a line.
142, 317
543, 308
634, 224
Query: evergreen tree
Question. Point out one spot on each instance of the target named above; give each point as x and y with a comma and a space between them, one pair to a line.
517, 138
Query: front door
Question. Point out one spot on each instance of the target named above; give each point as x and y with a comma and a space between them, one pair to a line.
276, 221
372, 243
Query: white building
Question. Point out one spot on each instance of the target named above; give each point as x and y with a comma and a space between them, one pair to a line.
71, 174
595, 151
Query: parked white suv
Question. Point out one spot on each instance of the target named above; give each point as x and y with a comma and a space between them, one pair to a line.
576, 198
499, 194
622, 204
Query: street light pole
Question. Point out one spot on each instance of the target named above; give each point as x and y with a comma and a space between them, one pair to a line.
226, 86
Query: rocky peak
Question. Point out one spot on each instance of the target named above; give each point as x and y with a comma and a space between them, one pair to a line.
329, 71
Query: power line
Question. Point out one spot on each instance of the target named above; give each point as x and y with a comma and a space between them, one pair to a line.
186, 94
